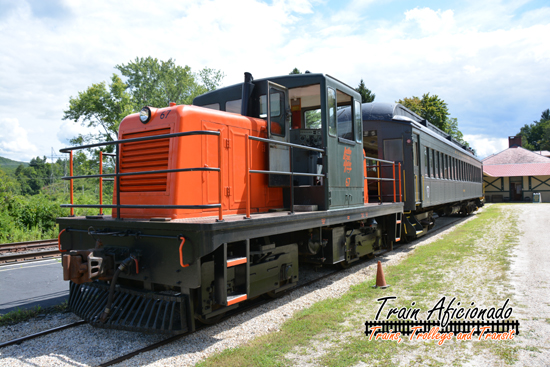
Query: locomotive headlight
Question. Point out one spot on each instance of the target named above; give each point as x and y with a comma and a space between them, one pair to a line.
145, 115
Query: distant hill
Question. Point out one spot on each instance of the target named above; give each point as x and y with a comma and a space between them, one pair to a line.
9, 166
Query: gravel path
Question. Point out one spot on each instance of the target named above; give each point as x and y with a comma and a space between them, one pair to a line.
85, 346
531, 280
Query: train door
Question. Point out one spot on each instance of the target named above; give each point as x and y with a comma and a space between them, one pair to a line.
278, 119
344, 148
416, 169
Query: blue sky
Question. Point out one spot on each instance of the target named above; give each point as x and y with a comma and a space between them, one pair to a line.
489, 60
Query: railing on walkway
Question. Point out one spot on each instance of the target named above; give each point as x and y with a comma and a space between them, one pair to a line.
116, 176
291, 172
380, 163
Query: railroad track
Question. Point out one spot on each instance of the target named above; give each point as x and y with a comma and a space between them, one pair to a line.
25, 251
250, 306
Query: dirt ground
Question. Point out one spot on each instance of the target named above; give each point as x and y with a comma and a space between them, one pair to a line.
530, 276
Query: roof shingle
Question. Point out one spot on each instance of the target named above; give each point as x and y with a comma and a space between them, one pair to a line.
514, 156
513, 170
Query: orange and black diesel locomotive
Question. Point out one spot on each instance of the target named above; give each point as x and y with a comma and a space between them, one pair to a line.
220, 202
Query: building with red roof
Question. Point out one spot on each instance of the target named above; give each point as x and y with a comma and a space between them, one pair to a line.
515, 174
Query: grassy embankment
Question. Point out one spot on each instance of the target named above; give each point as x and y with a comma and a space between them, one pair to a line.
471, 263
20, 315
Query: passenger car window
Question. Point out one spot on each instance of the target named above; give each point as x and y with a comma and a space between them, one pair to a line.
432, 172
393, 150
427, 161
436, 168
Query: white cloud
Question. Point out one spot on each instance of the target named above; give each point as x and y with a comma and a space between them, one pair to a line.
487, 61
431, 21
69, 130
485, 145
471, 69
14, 143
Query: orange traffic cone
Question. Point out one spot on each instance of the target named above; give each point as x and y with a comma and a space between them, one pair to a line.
380, 280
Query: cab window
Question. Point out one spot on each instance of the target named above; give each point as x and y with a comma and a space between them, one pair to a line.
345, 116
313, 119
233, 106
331, 111
358, 122
276, 106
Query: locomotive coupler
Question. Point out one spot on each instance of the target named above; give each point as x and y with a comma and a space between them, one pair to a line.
81, 266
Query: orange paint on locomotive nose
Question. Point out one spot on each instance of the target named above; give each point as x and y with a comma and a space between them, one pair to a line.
194, 188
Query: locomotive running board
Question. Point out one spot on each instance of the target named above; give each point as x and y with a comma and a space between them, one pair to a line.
131, 310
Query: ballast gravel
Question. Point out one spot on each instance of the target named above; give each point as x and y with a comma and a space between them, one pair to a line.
88, 346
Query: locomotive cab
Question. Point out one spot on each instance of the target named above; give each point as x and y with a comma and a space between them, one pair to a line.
309, 110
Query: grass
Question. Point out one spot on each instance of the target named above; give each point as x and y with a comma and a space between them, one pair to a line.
20, 315
468, 263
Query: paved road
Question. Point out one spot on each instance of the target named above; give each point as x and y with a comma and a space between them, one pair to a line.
28, 285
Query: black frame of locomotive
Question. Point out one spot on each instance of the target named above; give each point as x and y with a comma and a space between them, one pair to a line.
160, 294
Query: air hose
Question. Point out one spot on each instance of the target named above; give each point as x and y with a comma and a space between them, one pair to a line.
125, 263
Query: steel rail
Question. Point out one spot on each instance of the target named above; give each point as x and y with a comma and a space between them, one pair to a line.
18, 257
28, 242
18, 247
40, 333
238, 311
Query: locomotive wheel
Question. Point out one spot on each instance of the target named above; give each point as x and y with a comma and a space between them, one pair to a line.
273, 295
209, 321
344, 264
432, 220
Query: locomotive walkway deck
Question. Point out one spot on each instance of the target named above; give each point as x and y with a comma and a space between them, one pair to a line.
235, 227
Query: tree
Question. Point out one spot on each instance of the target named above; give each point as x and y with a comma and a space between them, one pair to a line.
295, 71
536, 136
366, 94
452, 129
431, 108
34, 177
435, 110
153, 82
149, 82
100, 107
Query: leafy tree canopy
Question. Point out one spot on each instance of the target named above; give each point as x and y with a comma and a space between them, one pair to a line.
435, 110
148, 82
100, 106
295, 71
366, 94
432, 108
536, 136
